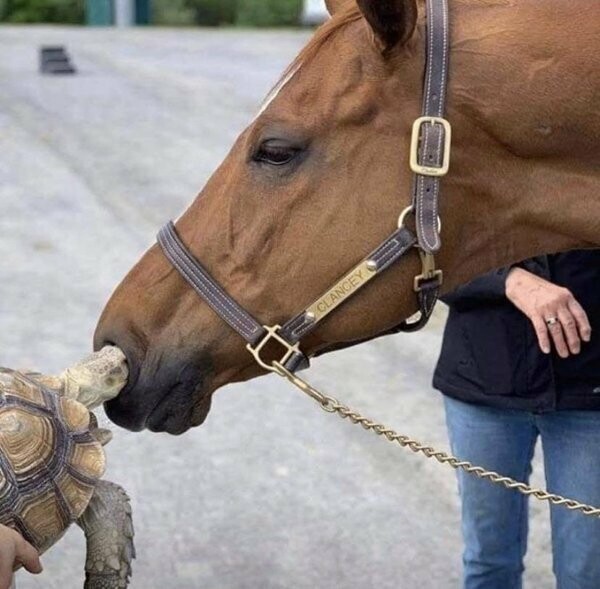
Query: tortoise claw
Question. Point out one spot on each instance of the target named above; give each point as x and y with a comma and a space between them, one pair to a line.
102, 435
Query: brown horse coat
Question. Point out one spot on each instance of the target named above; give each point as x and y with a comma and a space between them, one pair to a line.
524, 180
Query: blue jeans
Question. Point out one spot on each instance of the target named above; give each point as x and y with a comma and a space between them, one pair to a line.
494, 520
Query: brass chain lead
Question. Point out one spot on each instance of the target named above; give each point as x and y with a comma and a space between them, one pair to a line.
332, 405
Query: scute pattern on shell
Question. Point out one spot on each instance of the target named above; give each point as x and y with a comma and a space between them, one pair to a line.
49, 461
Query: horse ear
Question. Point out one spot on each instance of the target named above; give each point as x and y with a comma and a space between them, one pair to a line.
393, 21
334, 5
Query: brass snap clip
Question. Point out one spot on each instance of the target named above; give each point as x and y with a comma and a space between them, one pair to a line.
429, 272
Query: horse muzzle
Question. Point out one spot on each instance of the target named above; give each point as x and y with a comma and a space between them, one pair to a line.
163, 394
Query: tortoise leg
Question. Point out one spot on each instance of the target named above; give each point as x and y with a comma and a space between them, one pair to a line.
108, 530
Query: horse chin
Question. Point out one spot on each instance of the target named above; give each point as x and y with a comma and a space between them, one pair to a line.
175, 418
169, 398
176, 413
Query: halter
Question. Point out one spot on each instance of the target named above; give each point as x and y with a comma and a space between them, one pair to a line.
429, 160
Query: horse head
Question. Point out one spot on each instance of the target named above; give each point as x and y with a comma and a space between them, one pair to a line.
315, 182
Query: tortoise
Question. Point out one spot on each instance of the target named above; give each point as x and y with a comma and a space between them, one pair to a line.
52, 461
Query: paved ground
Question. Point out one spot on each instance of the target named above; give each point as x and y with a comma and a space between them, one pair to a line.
271, 493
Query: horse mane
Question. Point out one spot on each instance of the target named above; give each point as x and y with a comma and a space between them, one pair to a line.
346, 15
350, 13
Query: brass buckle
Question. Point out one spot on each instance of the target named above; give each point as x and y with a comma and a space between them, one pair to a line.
430, 272
423, 170
272, 334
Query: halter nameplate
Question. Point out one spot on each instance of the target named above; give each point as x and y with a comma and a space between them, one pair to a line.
343, 290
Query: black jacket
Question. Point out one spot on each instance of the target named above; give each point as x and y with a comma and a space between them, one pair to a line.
490, 355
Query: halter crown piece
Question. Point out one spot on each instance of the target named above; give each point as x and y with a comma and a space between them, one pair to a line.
429, 160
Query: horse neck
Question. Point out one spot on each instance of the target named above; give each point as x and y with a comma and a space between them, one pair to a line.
526, 160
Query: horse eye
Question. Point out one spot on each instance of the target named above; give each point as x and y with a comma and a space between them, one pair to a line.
275, 153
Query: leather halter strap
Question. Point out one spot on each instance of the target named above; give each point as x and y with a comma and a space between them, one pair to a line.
430, 150
430, 156
207, 287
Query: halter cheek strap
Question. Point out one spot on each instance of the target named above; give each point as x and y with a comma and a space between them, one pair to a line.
432, 134
429, 160
207, 287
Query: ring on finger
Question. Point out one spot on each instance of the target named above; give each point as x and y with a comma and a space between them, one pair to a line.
551, 321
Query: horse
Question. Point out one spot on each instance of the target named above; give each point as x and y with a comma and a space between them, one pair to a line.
320, 176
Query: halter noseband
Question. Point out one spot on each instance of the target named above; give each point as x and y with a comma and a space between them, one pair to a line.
429, 160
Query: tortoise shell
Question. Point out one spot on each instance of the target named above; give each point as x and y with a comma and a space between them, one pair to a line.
49, 460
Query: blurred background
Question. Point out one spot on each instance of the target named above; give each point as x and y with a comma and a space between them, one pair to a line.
271, 493
261, 13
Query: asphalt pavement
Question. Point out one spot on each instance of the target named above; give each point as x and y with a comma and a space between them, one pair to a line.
271, 493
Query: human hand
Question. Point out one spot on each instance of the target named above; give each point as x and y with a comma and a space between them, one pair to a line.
14, 552
556, 316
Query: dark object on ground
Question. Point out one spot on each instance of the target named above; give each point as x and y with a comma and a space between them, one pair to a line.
55, 60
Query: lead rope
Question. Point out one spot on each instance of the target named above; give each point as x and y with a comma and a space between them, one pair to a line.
332, 405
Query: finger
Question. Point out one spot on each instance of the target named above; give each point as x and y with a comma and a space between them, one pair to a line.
28, 556
541, 331
569, 329
583, 323
556, 333
6, 568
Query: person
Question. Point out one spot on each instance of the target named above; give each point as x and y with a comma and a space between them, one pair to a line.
16, 551
519, 362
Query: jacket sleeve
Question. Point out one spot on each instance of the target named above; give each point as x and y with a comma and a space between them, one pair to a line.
486, 288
